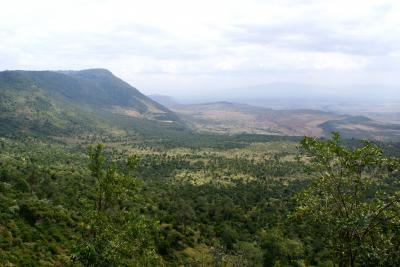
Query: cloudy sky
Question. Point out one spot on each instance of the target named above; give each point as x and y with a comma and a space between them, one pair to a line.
177, 47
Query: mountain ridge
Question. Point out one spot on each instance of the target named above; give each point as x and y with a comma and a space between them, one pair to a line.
58, 101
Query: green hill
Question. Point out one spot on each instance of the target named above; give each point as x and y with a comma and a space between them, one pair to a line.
66, 102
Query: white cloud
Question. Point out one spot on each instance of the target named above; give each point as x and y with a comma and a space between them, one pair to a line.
170, 46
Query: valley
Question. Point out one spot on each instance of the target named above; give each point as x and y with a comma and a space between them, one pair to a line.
93, 172
236, 118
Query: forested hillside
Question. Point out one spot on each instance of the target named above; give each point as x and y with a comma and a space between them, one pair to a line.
75, 103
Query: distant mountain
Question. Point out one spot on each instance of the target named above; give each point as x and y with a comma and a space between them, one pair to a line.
164, 100
286, 95
61, 102
360, 126
233, 118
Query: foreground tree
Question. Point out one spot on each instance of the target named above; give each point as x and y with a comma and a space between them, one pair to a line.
114, 232
353, 201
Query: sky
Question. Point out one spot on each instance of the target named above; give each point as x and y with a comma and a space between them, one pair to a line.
178, 47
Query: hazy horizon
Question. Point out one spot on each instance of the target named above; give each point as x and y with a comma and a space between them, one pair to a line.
189, 48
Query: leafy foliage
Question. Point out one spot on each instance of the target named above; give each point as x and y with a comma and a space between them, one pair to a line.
114, 233
349, 201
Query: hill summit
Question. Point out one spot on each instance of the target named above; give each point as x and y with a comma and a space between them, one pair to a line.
54, 102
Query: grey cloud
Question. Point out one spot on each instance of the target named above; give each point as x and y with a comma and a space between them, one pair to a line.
310, 36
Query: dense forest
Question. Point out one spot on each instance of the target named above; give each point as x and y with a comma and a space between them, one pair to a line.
243, 200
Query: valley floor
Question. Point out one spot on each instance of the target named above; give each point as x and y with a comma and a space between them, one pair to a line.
222, 202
